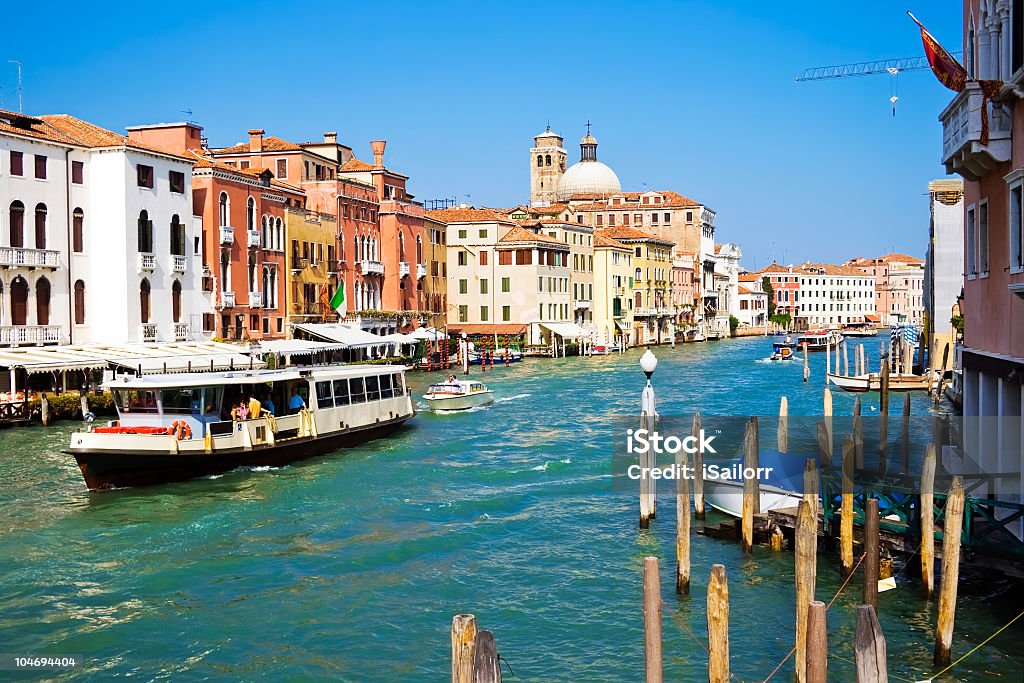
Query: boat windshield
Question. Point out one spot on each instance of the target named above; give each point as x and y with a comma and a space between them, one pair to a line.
192, 400
135, 401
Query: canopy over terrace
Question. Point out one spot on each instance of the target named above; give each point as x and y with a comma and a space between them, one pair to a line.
352, 339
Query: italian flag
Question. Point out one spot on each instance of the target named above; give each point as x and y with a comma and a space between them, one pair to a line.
338, 301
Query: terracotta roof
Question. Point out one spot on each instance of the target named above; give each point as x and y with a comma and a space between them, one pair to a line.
469, 215
354, 164
521, 234
672, 200
749, 277
901, 258
607, 242
829, 269
270, 144
743, 290
623, 232
202, 161
774, 268
552, 210
90, 135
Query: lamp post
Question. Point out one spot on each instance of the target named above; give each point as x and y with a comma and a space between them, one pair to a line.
464, 343
648, 421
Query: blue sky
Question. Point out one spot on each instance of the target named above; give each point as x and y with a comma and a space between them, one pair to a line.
697, 97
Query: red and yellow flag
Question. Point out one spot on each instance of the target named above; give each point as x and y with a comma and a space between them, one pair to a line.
945, 67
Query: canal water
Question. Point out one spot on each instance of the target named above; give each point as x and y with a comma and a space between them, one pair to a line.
350, 567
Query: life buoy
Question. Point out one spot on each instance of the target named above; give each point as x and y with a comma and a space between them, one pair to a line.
173, 428
183, 431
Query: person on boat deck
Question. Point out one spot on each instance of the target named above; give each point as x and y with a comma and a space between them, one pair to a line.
296, 402
255, 408
452, 379
240, 412
268, 405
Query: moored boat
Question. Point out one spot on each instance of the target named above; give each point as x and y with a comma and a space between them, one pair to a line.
458, 395
510, 354
782, 486
180, 426
873, 382
819, 340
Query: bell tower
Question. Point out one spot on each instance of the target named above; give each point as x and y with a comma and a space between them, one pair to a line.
547, 164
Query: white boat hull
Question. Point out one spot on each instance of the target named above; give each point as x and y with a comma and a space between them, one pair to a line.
727, 497
460, 402
872, 382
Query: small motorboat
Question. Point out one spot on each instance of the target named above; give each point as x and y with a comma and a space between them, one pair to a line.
458, 395
781, 351
873, 382
500, 355
781, 486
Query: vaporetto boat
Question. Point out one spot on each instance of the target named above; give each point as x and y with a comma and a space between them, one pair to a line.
179, 426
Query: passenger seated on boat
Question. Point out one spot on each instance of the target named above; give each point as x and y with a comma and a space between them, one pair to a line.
268, 405
240, 412
296, 402
452, 379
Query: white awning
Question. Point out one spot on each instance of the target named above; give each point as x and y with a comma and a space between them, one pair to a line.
37, 359
399, 338
294, 347
565, 330
349, 337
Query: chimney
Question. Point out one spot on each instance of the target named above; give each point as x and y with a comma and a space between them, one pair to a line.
256, 140
378, 152
331, 138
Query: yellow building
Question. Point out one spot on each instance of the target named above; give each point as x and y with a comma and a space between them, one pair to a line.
311, 265
613, 300
435, 284
650, 283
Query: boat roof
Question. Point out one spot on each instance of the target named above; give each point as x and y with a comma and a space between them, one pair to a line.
244, 377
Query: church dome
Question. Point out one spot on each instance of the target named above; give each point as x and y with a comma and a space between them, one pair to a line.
591, 178
588, 176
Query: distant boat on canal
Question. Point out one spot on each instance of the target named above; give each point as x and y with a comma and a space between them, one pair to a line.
819, 340
180, 426
458, 395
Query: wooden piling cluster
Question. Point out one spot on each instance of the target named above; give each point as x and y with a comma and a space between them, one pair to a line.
475, 657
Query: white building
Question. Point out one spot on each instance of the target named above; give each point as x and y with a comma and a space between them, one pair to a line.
752, 301
727, 263
833, 296
943, 272
119, 245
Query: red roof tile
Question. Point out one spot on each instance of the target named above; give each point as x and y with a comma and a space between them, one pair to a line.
270, 144
521, 234
468, 215
623, 233
354, 164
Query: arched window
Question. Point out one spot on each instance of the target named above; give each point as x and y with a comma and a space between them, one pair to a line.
401, 247
17, 225
264, 233
636, 275
547, 160
43, 301
419, 249
540, 161
176, 302
177, 236
279, 235
252, 273
224, 209
19, 301
40, 226
144, 300
79, 302
78, 231
250, 214
225, 270
355, 248
145, 233
341, 243
266, 288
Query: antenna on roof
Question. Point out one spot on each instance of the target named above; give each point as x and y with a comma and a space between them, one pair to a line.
20, 90
186, 112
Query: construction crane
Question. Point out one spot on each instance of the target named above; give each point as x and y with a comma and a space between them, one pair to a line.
892, 67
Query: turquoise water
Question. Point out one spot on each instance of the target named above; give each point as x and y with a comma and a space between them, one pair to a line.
350, 567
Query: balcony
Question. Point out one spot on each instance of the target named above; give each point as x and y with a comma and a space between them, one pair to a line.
254, 238
644, 312
255, 299
582, 304
178, 264
421, 271
227, 299
403, 269
334, 266
619, 291
180, 331
29, 334
372, 268
42, 258
147, 262
147, 331
227, 235
962, 150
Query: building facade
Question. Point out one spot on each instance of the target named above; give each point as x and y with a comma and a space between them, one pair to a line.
650, 286
943, 271
899, 287
752, 301
435, 285
613, 300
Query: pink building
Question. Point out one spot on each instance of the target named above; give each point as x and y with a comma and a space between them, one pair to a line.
899, 286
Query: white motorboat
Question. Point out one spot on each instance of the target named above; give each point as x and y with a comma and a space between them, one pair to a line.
458, 395
781, 488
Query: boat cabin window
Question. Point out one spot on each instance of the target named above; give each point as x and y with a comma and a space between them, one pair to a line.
385, 386
324, 398
135, 401
355, 386
397, 382
372, 388
341, 392
192, 400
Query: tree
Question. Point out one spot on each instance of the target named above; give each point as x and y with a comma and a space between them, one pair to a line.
766, 285
782, 320
734, 322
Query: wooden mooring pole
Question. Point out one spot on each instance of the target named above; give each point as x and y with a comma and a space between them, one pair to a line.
824, 444
698, 472
44, 409
950, 571
682, 528
807, 367
652, 620
718, 625
869, 596
928, 522
858, 434
846, 511
811, 485
806, 550
869, 647
751, 490
827, 413
783, 433
905, 432
463, 648
817, 643
883, 410
486, 662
